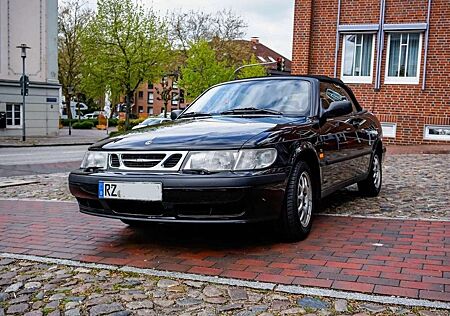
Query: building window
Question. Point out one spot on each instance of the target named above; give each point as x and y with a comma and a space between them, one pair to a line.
150, 98
174, 85
437, 132
150, 110
174, 98
389, 129
141, 109
357, 58
150, 86
403, 58
141, 94
13, 115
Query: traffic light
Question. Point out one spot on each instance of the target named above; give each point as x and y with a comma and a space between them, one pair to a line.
27, 84
281, 64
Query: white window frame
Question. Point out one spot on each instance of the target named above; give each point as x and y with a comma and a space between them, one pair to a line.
428, 136
13, 116
152, 99
389, 125
403, 80
357, 79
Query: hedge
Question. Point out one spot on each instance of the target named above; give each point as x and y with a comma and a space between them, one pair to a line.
83, 125
112, 122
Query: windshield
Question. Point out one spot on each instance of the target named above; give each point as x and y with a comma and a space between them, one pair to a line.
286, 96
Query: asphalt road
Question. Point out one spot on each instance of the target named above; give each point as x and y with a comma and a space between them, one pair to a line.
35, 160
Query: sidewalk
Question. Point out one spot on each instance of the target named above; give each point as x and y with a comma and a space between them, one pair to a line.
78, 137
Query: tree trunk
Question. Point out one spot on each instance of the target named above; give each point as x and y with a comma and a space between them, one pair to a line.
127, 110
165, 109
68, 108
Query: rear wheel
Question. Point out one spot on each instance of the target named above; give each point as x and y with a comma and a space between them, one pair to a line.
300, 203
372, 185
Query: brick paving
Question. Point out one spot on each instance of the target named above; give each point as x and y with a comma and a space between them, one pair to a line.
408, 258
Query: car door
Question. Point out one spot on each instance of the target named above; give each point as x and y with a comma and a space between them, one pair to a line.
338, 137
360, 139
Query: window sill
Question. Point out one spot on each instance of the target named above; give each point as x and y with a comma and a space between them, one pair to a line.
396, 80
367, 80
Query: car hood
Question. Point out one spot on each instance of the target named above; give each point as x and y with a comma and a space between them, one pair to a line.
221, 132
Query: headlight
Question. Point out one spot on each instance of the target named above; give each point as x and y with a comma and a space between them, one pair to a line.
94, 159
247, 159
250, 159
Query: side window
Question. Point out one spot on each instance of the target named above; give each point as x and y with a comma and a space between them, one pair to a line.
330, 92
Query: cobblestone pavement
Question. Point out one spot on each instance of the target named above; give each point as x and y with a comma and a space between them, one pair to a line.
33, 289
414, 186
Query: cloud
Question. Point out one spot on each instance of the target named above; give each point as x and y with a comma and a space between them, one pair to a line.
270, 20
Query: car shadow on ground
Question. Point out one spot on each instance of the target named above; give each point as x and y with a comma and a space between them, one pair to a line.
221, 236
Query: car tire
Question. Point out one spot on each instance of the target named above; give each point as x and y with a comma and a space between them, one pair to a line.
371, 186
299, 203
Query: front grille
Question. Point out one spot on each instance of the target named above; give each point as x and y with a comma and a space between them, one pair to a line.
142, 160
154, 161
114, 161
172, 161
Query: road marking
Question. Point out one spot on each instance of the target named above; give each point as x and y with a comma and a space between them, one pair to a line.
291, 289
37, 153
386, 217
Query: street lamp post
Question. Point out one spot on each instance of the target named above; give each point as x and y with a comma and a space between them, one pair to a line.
24, 83
69, 107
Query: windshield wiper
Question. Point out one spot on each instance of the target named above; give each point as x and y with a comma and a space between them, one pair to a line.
194, 114
251, 110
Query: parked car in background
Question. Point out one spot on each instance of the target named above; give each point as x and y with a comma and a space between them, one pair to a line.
245, 151
151, 121
92, 116
162, 114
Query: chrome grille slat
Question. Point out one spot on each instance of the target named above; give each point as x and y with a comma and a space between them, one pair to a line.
151, 161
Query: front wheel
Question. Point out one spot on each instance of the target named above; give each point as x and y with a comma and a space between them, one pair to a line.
300, 203
372, 185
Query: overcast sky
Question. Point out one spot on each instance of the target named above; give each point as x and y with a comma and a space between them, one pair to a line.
270, 20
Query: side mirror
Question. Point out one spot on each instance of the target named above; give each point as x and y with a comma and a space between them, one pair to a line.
175, 113
337, 108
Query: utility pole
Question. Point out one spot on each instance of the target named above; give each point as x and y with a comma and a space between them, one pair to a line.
24, 83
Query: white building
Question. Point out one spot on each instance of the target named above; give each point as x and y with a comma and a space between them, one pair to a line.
35, 23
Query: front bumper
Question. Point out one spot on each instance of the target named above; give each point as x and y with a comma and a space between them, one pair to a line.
230, 198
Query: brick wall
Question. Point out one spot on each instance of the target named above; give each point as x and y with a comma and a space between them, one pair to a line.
404, 104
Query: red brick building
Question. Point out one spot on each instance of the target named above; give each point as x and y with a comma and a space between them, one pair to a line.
394, 54
148, 103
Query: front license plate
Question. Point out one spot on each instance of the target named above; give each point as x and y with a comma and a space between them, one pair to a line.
141, 191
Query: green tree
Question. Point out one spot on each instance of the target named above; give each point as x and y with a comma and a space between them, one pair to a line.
72, 21
202, 70
255, 70
126, 45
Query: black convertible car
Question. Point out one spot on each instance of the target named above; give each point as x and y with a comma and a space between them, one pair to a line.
244, 151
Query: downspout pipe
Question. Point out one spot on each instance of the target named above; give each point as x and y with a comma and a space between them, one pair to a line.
380, 40
425, 56
336, 51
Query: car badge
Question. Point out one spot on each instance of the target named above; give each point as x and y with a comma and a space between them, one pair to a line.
149, 142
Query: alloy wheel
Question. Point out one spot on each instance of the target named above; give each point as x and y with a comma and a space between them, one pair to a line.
376, 170
304, 199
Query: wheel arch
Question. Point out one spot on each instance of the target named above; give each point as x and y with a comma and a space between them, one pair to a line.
307, 153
